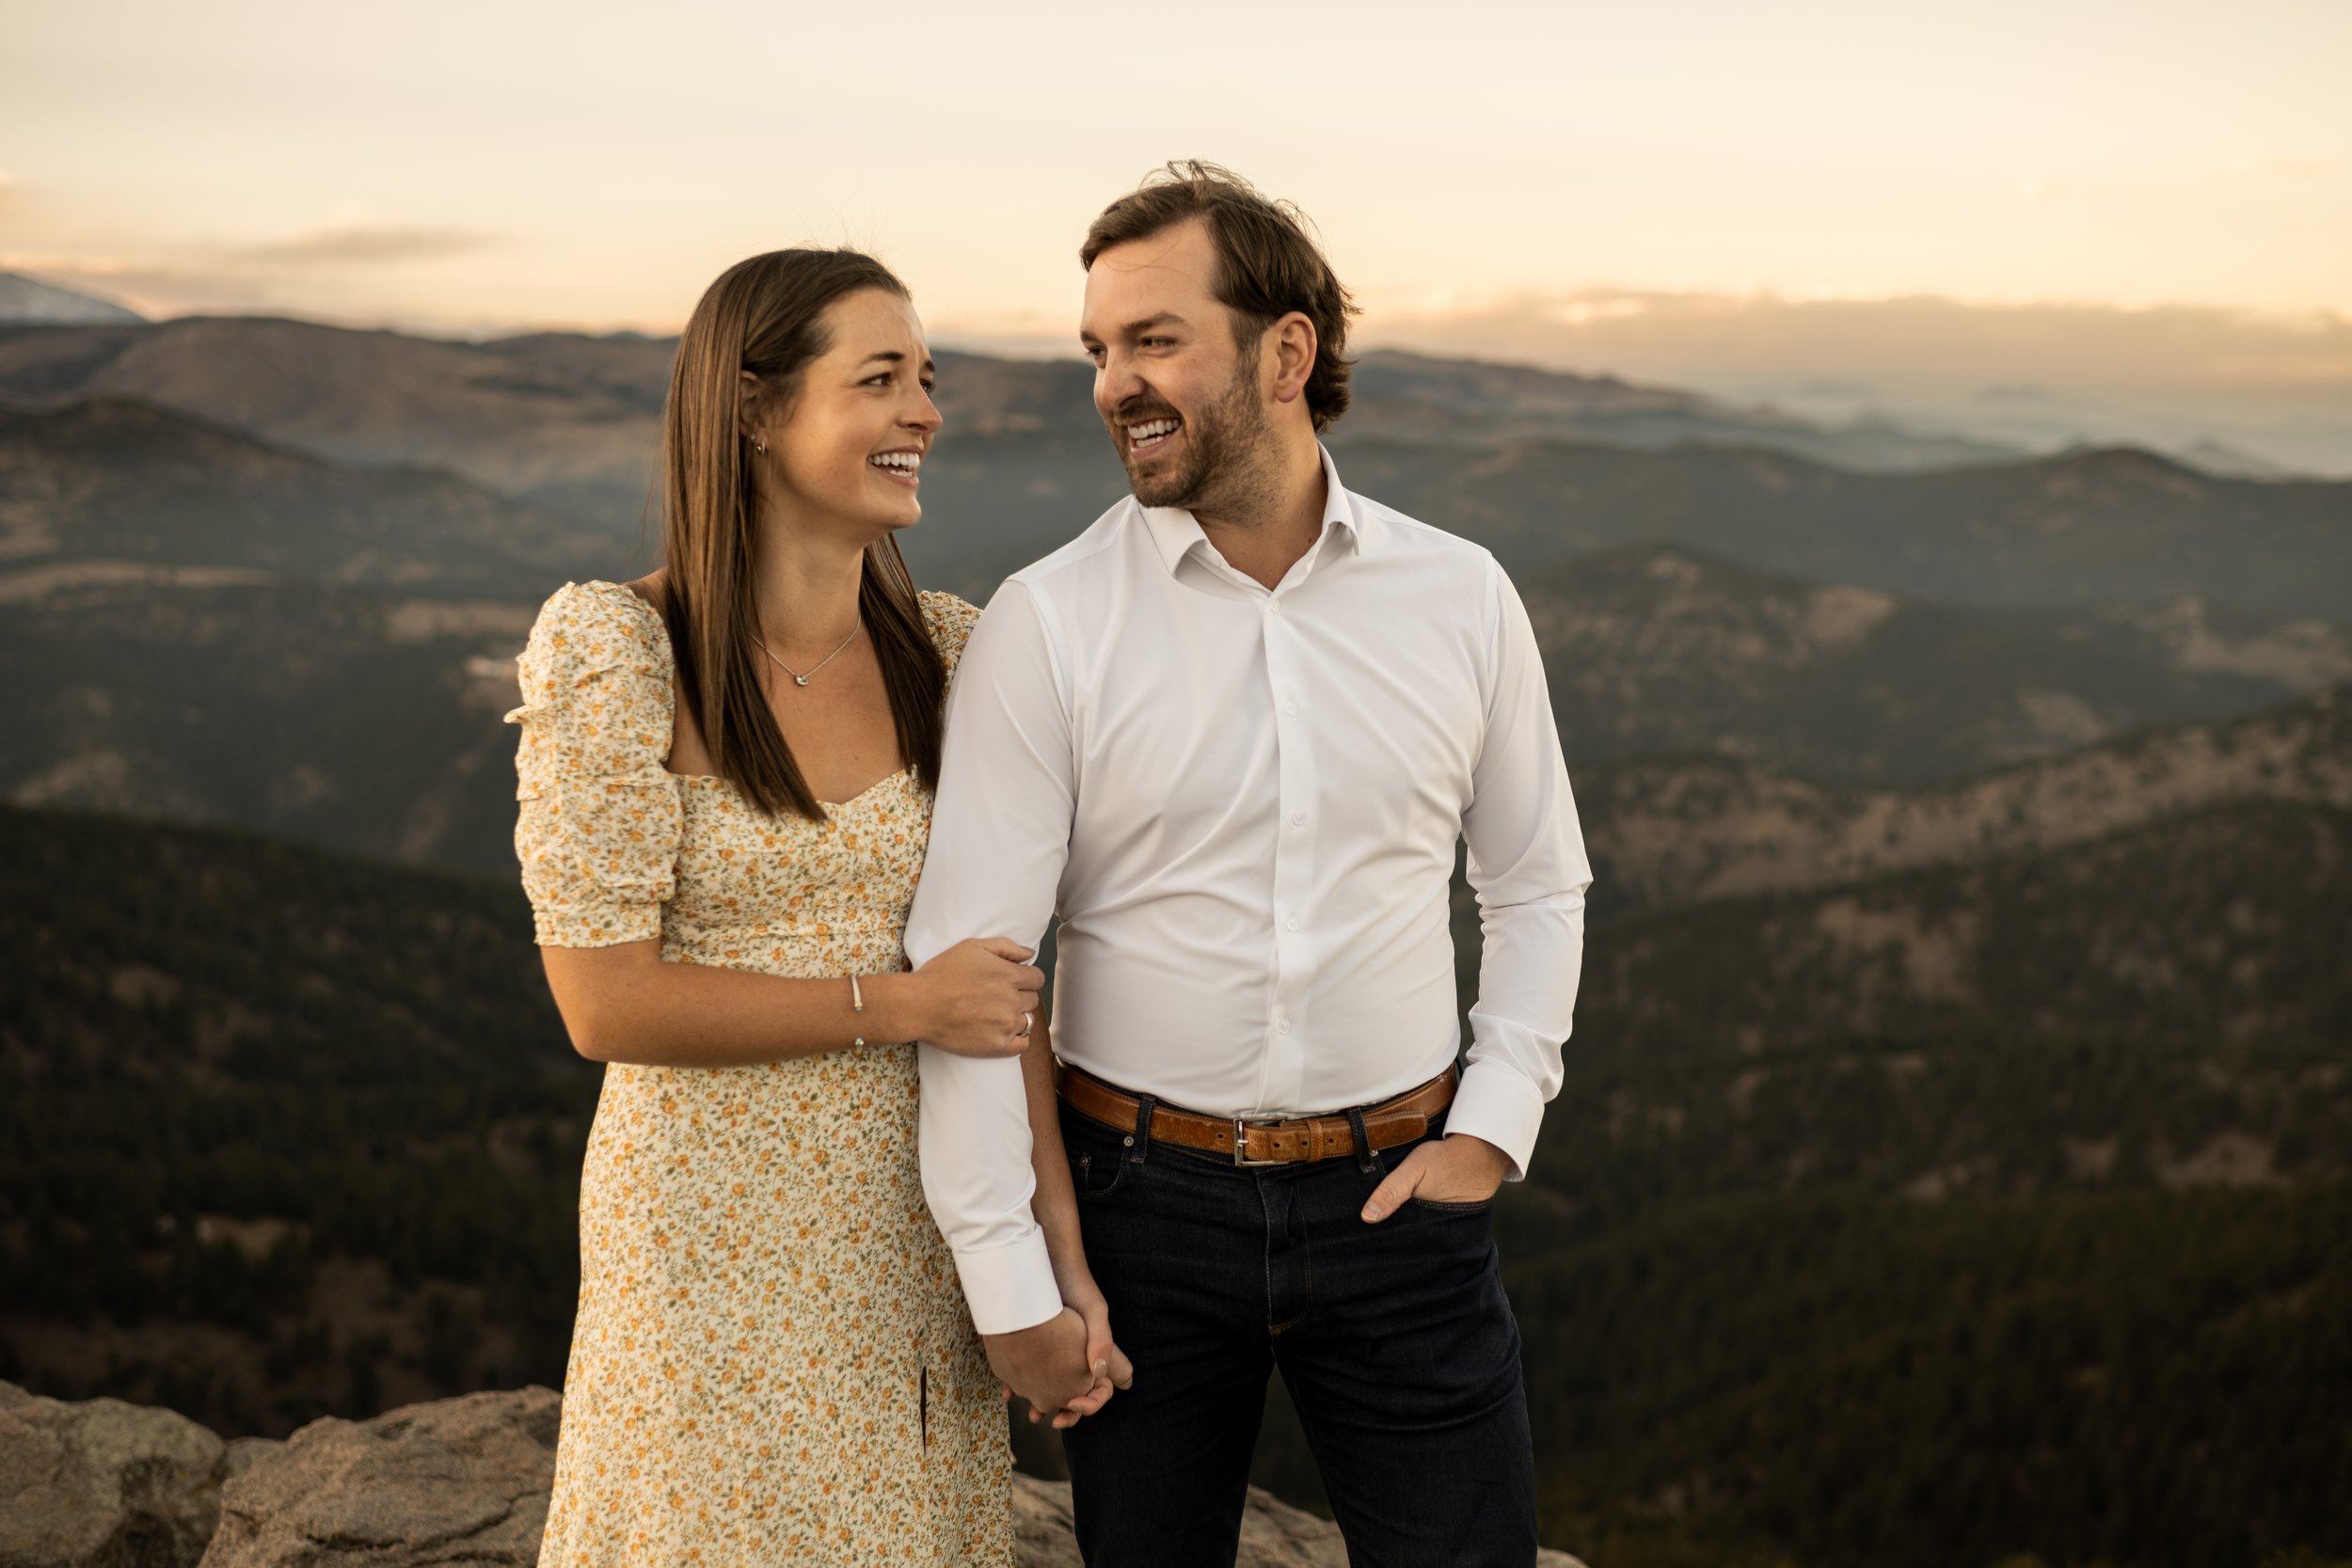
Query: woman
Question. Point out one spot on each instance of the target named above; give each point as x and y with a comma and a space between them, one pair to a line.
725, 777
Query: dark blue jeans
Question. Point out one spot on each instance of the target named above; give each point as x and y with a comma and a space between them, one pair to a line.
1394, 1340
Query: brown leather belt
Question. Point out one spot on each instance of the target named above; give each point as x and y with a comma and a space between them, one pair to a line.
1254, 1141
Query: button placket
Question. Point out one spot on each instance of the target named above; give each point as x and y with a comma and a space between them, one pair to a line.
1295, 959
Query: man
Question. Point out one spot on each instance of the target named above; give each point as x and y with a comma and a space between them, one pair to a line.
1232, 733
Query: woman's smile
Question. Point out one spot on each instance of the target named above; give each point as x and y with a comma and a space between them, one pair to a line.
899, 466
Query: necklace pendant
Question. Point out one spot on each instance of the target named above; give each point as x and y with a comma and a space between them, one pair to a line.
799, 680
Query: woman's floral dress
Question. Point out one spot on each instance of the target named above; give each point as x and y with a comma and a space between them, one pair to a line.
773, 1362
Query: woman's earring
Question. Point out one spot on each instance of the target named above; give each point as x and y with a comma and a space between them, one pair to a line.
759, 446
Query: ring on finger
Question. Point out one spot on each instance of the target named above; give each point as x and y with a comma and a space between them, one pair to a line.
1027, 1023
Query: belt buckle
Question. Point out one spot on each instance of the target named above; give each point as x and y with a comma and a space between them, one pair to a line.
1240, 1125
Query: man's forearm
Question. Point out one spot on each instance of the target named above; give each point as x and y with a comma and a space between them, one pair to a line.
975, 1133
1000, 837
1527, 980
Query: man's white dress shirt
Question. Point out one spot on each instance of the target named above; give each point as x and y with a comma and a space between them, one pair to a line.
1243, 806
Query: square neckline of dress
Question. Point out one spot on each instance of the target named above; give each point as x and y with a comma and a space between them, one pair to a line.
661, 629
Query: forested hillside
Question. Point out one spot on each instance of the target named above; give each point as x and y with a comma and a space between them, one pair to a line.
281, 1132
1866, 1228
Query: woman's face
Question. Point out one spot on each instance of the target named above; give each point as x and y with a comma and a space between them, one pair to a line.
848, 452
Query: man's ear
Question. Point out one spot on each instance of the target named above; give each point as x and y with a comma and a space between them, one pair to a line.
1295, 344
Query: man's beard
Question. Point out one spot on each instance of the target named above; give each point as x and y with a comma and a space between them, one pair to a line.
1227, 452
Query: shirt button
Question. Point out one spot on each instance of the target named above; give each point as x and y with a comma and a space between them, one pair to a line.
1293, 923
1286, 1026
1299, 820
1274, 607
1290, 707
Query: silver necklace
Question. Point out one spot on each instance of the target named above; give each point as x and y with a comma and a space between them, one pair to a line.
799, 679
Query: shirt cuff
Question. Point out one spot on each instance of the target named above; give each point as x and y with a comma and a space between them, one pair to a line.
1010, 1287
1497, 1105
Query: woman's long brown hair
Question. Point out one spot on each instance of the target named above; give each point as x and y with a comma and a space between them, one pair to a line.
766, 315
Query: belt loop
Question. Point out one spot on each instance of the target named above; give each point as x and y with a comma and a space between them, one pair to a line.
1367, 1158
1139, 1141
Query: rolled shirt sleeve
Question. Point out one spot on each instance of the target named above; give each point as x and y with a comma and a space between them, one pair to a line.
1000, 838
1527, 865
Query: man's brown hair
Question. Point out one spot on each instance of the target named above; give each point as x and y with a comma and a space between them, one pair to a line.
1268, 265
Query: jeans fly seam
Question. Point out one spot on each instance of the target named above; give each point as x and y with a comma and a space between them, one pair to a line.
1306, 1266
1266, 1214
1305, 1292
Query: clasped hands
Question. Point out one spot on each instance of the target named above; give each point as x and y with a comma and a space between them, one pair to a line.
1066, 1367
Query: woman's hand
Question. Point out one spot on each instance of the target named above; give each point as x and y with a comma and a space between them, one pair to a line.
980, 997
1109, 1364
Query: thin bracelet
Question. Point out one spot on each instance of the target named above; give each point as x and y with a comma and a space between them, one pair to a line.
857, 1004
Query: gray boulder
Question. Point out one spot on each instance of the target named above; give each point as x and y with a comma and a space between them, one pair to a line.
454, 1480
98, 1483
105, 1484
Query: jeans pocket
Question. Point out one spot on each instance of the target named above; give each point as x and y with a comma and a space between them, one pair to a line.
1096, 1175
1445, 1206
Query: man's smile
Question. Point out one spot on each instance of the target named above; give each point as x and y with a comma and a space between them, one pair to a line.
1149, 434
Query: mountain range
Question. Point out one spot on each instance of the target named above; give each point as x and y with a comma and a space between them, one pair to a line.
95, 488
1512, 456
569, 420
1655, 650
25, 301
208, 625
1949, 1163
1421, 398
2095, 527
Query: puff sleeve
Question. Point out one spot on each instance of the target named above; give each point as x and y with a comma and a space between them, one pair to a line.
598, 817
949, 619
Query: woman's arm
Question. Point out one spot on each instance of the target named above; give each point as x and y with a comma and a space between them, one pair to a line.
623, 1004
1056, 1204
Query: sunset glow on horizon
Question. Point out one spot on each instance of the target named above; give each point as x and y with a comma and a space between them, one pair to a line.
1637, 189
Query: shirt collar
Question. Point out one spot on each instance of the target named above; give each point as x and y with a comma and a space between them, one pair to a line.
1175, 534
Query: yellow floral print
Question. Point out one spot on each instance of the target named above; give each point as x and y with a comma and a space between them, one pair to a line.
772, 1362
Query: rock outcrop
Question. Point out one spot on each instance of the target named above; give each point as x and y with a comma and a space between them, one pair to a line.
455, 1480
105, 1484
99, 1483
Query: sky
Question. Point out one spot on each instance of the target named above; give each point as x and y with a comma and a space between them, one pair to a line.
2147, 206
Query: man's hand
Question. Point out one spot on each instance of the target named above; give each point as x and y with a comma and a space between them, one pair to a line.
1457, 1168
1045, 1365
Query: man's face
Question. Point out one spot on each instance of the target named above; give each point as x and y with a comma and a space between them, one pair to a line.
1182, 398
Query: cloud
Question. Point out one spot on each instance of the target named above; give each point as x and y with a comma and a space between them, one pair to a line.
365, 244
1916, 341
154, 289
318, 272
2025, 374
